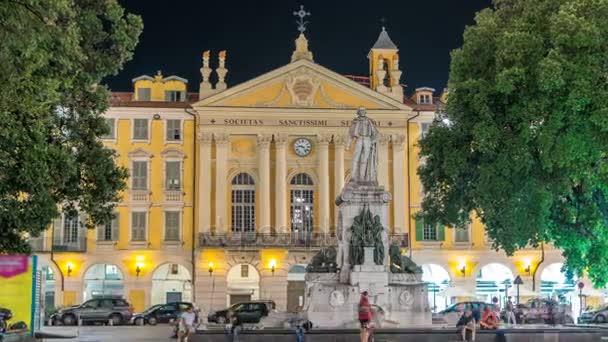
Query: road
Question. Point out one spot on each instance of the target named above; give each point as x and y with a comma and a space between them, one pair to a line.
111, 334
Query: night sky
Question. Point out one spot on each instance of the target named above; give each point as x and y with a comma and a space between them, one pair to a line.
259, 36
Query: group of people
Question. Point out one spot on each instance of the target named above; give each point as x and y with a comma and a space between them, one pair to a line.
485, 317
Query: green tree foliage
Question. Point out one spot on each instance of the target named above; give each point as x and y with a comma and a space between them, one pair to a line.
53, 55
524, 139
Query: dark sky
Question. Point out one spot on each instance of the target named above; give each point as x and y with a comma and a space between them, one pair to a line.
259, 36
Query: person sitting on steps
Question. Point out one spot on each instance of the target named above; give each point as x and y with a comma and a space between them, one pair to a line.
466, 325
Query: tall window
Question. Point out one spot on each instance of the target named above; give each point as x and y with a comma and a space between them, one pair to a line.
174, 130
175, 95
140, 129
424, 129
71, 223
429, 232
243, 203
109, 231
143, 94
172, 226
461, 234
173, 175
302, 203
140, 175
138, 226
112, 132
387, 76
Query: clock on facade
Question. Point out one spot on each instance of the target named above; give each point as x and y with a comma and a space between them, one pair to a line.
302, 147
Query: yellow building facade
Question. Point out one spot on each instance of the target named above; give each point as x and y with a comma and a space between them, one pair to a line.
232, 191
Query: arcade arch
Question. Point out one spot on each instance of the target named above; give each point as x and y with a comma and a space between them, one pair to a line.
493, 280
171, 283
103, 280
437, 279
243, 282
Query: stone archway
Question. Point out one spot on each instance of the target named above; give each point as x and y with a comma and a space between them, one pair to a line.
103, 280
171, 283
296, 286
493, 281
437, 279
243, 283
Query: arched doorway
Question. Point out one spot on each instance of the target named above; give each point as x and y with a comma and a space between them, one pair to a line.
103, 280
437, 280
48, 287
243, 282
296, 286
555, 284
493, 280
171, 283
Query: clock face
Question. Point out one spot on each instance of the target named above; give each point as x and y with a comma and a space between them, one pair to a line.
302, 147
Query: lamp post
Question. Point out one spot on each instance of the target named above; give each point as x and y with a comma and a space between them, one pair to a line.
518, 282
581, 285
212, 286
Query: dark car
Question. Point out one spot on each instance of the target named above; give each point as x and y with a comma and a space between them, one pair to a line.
246, 312
599, 315
5, 315
104, 309
161, 313
543, 310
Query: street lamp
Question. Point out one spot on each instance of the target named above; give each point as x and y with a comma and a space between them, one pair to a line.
518, 282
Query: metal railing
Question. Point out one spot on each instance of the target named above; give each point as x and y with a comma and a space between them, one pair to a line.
285, 240
77, 245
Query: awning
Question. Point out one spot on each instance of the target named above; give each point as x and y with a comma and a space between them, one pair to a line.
456, 291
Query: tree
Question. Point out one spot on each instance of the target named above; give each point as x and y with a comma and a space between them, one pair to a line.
53, 56
523, 142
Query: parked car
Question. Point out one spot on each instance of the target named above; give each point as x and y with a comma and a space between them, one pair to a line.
599, 315
451, 314
5, 316
543, 310
247, 312
100, 309
161, 313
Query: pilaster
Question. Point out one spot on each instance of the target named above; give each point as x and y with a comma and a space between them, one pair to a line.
280, 141
263, 142
204, 181
399, 175
323, 172
222, 144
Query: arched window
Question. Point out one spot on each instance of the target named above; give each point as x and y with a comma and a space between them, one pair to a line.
243, 203
302, 203
387, 77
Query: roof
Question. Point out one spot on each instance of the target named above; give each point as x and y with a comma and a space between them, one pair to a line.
426, 89
125, 99
384, 41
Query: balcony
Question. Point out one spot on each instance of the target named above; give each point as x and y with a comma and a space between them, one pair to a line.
76, 245
41, 244
140, 195
173, 195
285, 240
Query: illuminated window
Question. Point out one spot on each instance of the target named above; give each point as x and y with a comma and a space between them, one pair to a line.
243, 203
302, 203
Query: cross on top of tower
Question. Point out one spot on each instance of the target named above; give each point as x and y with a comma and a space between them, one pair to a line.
301, 14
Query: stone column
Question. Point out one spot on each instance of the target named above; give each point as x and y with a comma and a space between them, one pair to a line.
399, 191
339, 144
222, 144
264, 184
204, 182
323, 173
280, 201
383, 160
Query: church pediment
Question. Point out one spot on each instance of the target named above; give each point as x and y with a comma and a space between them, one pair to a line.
301, 84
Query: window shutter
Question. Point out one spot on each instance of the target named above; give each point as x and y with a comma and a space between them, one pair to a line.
57, 228
419, 229
167, 95
440, 232
101, 232
115, 227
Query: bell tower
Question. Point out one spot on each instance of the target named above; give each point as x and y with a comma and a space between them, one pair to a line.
384, 73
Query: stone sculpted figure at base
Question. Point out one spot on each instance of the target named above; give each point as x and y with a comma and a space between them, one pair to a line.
365, 155
401, 263
323, 262
366, 232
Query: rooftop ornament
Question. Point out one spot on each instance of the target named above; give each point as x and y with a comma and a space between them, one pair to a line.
302, 13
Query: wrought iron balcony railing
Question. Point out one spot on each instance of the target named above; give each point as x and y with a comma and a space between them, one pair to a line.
43, 244
285, 240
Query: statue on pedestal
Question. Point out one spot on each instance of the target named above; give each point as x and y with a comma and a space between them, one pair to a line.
365, 156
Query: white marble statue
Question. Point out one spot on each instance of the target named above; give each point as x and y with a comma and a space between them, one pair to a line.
364, 166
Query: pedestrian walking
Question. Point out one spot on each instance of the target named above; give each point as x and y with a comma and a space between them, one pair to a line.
510, 312
365, 316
